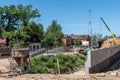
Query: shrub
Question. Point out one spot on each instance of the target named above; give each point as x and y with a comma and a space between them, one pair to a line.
46, 64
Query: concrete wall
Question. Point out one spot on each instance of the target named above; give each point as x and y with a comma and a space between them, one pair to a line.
98, 60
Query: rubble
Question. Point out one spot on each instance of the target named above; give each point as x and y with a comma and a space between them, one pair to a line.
108, 43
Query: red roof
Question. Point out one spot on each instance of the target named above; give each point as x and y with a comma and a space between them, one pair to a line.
2, 41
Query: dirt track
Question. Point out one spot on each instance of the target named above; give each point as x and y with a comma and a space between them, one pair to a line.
79, 75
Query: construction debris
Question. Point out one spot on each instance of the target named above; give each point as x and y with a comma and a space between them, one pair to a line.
108, 43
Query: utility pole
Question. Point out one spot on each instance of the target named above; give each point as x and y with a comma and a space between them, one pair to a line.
90, 27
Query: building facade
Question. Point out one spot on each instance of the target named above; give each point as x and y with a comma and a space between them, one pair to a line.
69, 39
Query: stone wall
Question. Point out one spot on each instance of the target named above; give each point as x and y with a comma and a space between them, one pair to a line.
98, 60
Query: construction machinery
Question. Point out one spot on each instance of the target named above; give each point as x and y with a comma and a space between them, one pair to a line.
111, 33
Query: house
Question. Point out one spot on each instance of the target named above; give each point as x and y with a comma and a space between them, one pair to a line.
69, 39
2, 42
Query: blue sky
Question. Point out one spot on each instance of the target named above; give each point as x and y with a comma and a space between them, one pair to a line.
72, 15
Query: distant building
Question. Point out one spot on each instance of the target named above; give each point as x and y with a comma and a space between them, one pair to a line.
69, 39
2, 42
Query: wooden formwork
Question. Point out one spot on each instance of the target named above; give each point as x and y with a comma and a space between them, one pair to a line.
21, 55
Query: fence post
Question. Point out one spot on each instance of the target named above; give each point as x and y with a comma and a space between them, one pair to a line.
58, 65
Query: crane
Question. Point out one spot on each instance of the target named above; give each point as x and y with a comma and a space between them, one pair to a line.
111, 33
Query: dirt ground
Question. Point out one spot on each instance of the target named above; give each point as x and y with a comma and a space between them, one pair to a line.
79, 75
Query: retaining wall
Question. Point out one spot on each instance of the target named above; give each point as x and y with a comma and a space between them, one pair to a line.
98, 60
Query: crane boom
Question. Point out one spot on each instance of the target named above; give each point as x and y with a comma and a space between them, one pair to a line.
111, 33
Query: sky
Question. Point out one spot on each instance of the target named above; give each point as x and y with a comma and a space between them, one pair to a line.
73, 15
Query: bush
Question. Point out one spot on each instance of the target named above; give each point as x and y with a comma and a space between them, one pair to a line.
46, 64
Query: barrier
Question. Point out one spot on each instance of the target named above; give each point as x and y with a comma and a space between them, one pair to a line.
98, 60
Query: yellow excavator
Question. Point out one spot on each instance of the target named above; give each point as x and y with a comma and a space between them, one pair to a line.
111, 33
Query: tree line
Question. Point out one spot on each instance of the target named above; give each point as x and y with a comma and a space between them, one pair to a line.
17, 26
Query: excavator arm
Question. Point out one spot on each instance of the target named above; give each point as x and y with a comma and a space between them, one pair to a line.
111, 33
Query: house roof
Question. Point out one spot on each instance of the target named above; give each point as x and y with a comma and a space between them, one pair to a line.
76, 36
79, 36
2, 41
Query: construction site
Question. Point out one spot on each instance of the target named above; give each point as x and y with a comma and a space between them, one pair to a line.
96, 66
76, 49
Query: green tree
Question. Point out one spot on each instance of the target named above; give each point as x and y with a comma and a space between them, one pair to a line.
9, 18
15, 20
12, 16
35, 31
26, 14
53, 34
29, 29
77, 42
